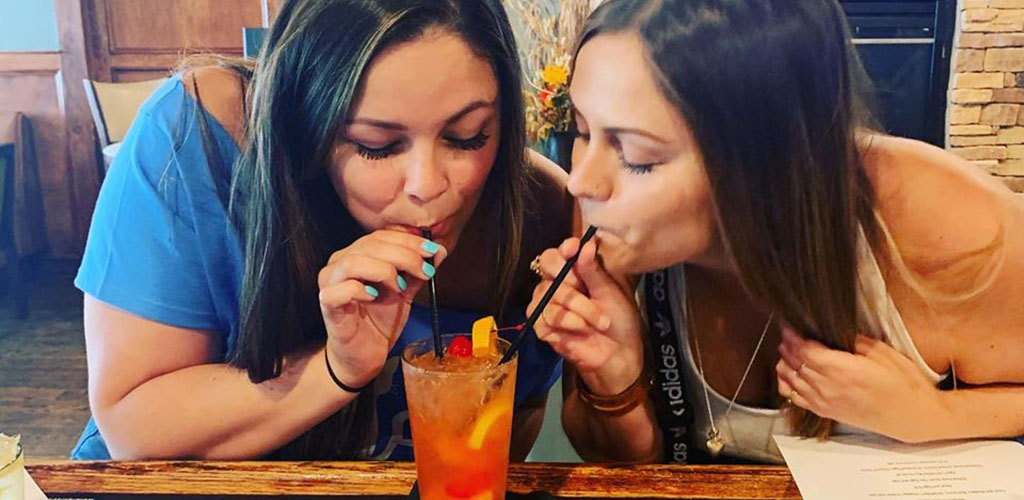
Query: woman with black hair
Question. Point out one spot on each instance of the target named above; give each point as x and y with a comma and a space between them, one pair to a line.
255, 265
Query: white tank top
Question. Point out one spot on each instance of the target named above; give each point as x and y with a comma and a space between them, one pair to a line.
747, 432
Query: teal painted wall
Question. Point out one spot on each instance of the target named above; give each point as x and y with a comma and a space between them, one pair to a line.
28, 26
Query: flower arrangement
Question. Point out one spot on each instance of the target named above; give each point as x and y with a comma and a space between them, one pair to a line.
546, 31
548, 107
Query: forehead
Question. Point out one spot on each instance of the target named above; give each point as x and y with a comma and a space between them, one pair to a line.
614, 84
436, 74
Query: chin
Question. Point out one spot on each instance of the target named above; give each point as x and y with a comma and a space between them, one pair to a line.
620, 260
625, 260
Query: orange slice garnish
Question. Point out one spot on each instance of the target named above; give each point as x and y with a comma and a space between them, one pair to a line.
488, 417
485, 334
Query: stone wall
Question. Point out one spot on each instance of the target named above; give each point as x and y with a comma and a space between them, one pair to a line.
986, 125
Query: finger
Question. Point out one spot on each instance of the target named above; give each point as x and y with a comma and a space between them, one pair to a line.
581, 351
796, 383
791, 357
551, 263
569, 247
815, 354
597, 281
361, 268
784, 389
560, 318
335, 299
409, 261
883, 353
789, 361
588, 310
566, 250
550, 336
421, 246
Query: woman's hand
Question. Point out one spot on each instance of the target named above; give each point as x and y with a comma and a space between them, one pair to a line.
875, 388
592, 320
365, 293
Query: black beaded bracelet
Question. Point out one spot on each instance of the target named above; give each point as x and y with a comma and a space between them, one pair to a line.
345, 387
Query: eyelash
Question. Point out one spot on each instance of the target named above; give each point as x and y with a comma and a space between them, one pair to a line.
633, 168
473, 143
636, 168
376, 153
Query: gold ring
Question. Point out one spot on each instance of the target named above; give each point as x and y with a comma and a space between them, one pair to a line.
535, 266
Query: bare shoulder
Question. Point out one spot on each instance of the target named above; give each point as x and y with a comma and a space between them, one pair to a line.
547, 218
548, 202
937, 206
546, 171
221, 92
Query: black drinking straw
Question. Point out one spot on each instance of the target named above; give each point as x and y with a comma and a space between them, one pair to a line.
528, 326
435, 319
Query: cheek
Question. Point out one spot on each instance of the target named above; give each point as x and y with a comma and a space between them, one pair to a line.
366, 187
673, 221
469, 169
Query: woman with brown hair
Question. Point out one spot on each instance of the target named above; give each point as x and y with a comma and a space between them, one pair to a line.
723, 152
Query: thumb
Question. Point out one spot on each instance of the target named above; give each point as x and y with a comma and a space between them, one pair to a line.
598, 282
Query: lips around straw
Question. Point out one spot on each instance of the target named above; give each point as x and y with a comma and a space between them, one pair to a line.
435, 319
528, 326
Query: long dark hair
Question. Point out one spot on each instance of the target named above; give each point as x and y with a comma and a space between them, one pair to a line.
288, 216
772, 91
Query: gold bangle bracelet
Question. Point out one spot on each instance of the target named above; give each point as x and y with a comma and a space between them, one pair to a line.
617, 404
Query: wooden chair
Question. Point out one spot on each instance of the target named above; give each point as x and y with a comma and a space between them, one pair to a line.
22, 226
114, 106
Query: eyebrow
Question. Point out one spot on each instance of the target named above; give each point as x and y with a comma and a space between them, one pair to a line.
625, 130
469, 108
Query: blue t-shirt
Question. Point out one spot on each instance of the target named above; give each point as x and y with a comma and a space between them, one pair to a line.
161, 247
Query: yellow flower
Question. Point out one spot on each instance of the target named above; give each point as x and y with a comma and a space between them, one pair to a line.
555, 75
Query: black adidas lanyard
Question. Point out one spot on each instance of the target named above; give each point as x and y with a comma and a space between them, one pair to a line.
673, 411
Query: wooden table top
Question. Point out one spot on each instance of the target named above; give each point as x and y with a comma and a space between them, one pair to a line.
395, 480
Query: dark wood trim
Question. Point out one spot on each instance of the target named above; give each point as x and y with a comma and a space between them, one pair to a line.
97, 49
29, 62
81, 135
396, 478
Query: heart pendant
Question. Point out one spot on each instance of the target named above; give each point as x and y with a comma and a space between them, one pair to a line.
715, 443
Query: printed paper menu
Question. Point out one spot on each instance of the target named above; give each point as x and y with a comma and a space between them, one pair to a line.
872, 467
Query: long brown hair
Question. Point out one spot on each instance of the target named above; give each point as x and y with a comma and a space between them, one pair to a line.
288, 217
770, 90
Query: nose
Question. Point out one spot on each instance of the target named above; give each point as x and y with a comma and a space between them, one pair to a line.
589, 178
426, 178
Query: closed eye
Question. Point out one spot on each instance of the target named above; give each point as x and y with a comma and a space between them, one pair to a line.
380, 153
473, 143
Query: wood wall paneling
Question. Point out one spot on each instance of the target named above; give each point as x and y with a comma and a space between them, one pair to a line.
82, 153
135, 40
141, 26
29, 84
112, 41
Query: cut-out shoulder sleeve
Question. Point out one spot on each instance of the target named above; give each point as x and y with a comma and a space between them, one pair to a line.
221, 92
159, 245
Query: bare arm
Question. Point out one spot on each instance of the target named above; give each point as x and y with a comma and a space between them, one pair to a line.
156, 393
526, 424
982, 412
633, 437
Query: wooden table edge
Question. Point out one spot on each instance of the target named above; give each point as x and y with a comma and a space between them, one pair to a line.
740, 482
